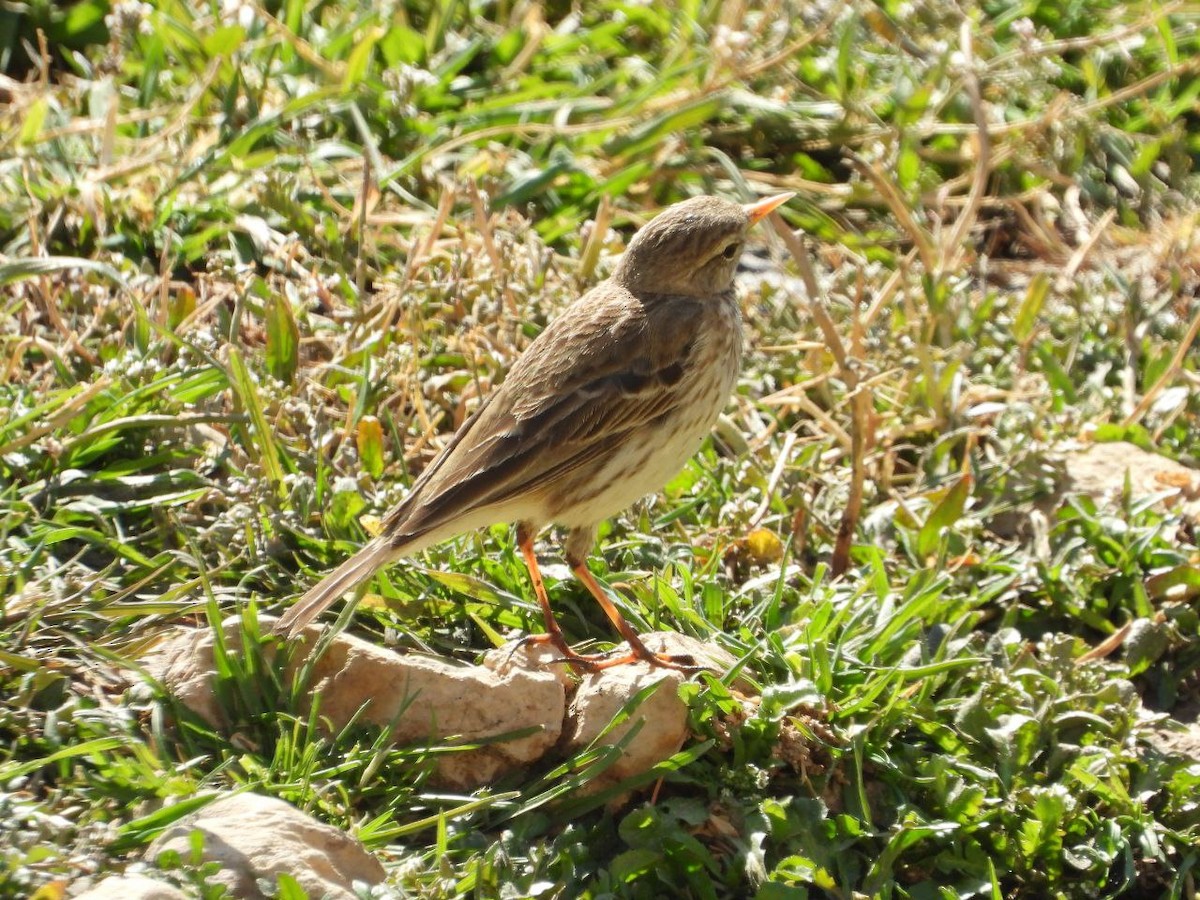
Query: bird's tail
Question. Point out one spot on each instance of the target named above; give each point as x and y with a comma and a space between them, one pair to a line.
329, 589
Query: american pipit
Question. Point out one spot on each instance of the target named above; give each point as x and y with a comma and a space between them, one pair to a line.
602, 408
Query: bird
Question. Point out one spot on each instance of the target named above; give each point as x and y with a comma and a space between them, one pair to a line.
603, 407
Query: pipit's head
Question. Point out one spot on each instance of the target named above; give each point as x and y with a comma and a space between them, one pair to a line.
691, 248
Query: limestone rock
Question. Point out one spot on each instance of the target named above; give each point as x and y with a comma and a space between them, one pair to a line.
421, 698
660, 719
1098, 470
532, 658
683, 647
253, 837
520, 688
431, 699
184, 664
132, 887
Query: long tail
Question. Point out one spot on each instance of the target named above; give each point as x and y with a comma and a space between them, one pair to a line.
357, 569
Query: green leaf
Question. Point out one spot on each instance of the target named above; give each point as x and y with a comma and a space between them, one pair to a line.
908, 167
845, 51
1156, 363
33, 266
1063, 392
1145, 643
627, 866
344, 510
641, 138
283, 339
1031, 307
142, 831
294, 16
1111, 432
98, 746
782, 697
1015, 738
264, 443
1180, 584
1041, 836
470, 585
81, 17
402, 45
507, 48
944, 515
223, 41
360, 58
534, 182
369, 438
913, 106
289, 888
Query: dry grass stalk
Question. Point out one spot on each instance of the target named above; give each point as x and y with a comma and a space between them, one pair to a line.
860, 439
1106, 647
898, 207
1172, 371
849, 364
1079, 257
422, 249
954, 248
785, 453
595, 242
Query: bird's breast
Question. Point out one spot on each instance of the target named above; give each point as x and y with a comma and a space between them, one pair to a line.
651, 455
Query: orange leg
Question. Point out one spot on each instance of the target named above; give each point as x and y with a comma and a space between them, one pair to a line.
554, 635
638, 651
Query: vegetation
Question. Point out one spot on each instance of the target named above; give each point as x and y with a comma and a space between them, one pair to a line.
259, 260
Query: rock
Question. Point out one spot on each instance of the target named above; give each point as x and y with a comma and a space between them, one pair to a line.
661, 718
1099, 470
132, 887
519, 688
183, 663
1181, 741
544, 658
253, 837
530, 657
681, 646
422, 699
1180, 736
430, 699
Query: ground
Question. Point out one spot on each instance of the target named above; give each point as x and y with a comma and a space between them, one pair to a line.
259, 260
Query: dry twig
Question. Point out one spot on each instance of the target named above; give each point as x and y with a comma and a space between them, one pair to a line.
849, 364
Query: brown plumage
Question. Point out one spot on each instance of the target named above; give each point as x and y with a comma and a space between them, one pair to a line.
602, 408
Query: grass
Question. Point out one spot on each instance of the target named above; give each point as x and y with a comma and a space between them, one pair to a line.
258, 261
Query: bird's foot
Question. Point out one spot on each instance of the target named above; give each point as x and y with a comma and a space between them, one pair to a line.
686, 664
580, 662
597, 662
639, 652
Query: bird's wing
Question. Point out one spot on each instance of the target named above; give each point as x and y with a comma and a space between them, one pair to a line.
603, 369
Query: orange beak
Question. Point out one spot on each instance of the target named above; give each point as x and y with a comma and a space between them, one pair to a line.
760, 210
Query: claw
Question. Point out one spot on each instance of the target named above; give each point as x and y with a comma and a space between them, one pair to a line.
638, 651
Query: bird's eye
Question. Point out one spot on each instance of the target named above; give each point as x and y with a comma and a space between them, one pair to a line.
732, 250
